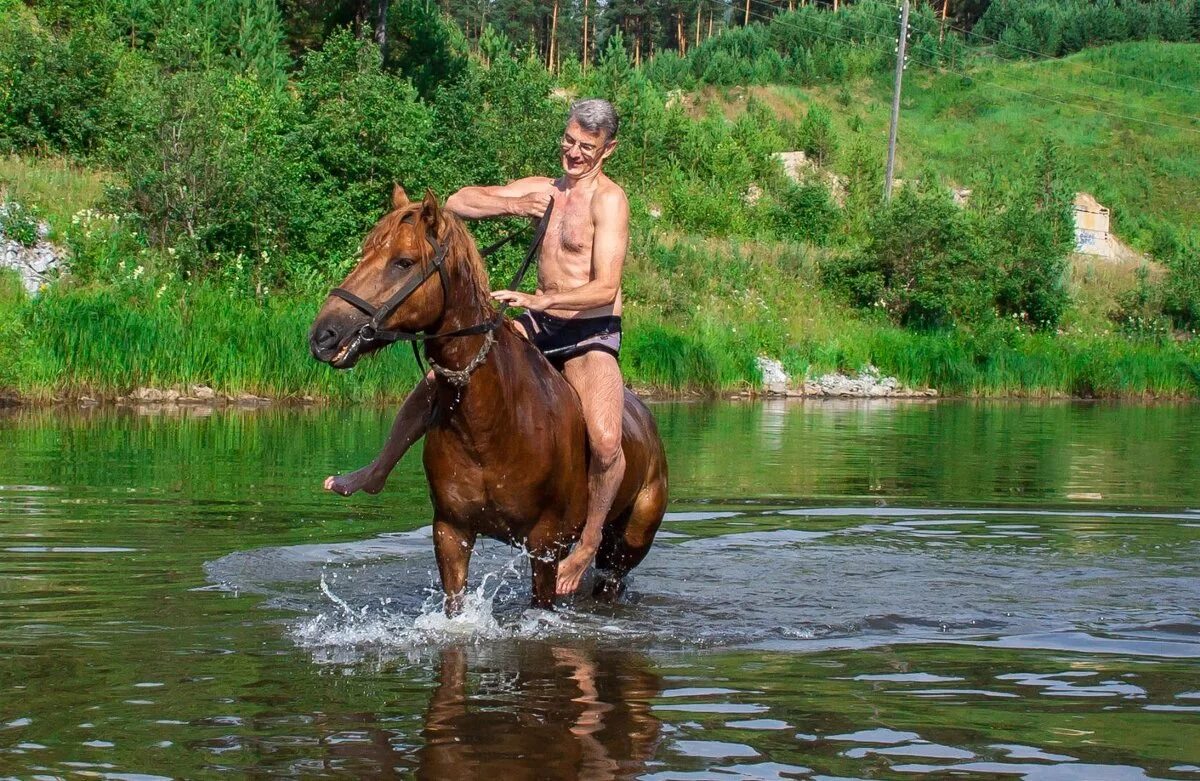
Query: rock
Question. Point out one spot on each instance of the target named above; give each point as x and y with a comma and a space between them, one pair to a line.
171, 396
798, 168
867, 384
202, 393
249, 399
775, 379
147, 395
36, 265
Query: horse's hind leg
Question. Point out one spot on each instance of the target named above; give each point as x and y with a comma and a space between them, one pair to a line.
627, 540
453, 547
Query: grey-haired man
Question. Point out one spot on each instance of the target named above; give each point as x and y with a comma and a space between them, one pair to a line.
575, 311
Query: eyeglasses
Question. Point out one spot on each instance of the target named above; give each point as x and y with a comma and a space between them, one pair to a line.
567, 144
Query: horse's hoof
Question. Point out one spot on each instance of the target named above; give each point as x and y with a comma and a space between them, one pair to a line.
608, 586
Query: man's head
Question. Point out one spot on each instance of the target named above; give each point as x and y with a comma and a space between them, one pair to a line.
590, 137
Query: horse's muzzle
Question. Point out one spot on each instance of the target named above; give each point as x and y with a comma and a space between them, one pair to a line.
329, 346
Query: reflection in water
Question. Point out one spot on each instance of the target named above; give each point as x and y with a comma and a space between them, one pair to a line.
863, 590
540, 712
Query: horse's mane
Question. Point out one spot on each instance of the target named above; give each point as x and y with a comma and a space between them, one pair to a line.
464, 263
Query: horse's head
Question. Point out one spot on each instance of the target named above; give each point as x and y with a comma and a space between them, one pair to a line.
405, 265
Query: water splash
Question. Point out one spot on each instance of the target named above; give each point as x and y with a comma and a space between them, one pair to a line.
489, 612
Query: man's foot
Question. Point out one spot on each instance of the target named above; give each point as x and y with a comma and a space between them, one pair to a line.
571, 569
363, 479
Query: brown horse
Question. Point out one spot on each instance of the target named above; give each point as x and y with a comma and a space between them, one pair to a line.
506, 449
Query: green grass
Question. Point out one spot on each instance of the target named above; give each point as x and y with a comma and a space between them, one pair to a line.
1149, 175
57, 188
107, 341
699, 311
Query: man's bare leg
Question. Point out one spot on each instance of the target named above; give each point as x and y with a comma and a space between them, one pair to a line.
412, 421
596, 377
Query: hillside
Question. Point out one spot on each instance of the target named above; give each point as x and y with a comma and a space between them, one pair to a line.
967, 129
233, 194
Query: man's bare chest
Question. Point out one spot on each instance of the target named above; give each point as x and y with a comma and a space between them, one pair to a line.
571, 229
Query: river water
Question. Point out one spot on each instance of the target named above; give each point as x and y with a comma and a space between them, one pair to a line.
840, 591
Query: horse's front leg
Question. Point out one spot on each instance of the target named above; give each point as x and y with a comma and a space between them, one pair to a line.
453, 545
546, 549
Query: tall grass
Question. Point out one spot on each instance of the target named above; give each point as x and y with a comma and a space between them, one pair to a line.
103, 341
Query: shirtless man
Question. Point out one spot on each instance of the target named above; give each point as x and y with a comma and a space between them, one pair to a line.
575, 314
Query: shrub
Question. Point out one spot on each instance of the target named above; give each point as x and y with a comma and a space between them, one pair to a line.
1029, 238
922, 265
804, 212
1181, 288
816, 135
53, 90
1139, 309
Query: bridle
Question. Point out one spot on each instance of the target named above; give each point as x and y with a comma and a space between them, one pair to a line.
373, 330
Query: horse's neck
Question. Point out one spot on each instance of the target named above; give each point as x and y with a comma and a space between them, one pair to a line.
491, 400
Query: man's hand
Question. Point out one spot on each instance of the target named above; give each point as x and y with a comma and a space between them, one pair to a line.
524, 300
531, 205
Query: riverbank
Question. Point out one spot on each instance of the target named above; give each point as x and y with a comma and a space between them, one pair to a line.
104, 343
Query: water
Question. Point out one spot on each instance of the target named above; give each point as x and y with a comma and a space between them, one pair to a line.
859, 590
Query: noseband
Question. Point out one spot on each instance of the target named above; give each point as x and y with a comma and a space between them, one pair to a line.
373, 330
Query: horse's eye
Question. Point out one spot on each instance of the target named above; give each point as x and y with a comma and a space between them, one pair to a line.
402, 262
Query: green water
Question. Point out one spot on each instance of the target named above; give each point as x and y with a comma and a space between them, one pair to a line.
860, 590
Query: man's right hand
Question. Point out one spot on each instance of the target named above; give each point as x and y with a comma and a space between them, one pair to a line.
531, 205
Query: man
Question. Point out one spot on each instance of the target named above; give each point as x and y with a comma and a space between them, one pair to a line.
575, 314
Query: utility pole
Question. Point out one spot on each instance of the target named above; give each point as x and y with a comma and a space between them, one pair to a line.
901, 40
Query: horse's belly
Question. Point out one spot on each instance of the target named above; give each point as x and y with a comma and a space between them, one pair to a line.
494, 500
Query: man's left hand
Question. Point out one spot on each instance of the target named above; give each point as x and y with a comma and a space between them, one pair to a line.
524, 300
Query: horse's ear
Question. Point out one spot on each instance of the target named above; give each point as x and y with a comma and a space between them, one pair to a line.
399, 197
431, 212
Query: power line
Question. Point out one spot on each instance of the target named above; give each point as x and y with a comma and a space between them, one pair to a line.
1015, 61
995, 84
1042, 57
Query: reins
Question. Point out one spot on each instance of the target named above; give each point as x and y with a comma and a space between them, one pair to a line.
373, 330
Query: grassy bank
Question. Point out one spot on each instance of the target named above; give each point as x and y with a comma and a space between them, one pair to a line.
1125, 114
714, 279
104, 341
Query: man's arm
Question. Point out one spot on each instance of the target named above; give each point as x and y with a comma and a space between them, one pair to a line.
610, 240
522, 198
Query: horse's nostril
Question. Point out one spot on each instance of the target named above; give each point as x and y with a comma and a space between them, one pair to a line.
327, 339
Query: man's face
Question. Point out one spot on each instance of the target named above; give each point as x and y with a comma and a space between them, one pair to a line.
583, 152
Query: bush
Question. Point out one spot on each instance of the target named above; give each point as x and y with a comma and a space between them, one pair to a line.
805, 212
1029, 237
1181, 289
53, 90
816, 135
922, 265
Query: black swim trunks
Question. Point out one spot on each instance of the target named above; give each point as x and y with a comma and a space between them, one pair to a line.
563, 338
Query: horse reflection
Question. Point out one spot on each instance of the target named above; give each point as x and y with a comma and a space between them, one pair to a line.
558, 713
